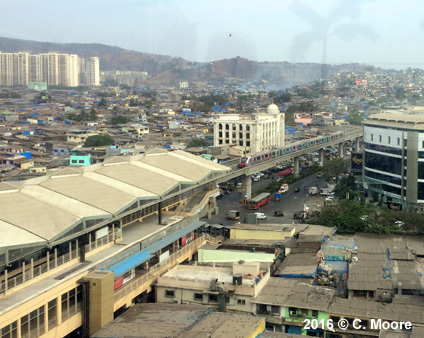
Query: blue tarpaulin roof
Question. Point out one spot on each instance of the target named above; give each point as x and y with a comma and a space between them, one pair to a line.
144, 255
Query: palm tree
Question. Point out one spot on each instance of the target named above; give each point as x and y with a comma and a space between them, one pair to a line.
340, 22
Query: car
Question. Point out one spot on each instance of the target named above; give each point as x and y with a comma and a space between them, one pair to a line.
256, 178
319, 175
260, 215
297, 190
330, 198
278, 213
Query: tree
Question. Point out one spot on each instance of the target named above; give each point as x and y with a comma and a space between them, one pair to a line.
93, 114
103, 102
198, 142
120, 119
99, 141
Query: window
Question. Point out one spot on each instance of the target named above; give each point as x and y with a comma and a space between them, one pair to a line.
241, 302
169, 293
81, 161
33, 323
52, 314
275, 310
292, 311
405, 142
198, 296
213, 298
423, 145
372, 137
74, 161
398, 141
380, 138
388, 139
10, 331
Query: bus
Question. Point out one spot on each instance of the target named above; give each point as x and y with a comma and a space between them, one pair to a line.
258, 201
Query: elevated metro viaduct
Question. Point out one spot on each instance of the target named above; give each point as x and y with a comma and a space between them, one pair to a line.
81, 244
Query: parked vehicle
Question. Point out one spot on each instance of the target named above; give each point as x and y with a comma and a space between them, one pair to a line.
278, 214
330, 198
313, 191
233, 215
297, 190
285, 172
260, 215
319, 175
256, 178
277, 197
326, 192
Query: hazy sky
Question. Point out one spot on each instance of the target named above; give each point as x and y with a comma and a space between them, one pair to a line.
389, 33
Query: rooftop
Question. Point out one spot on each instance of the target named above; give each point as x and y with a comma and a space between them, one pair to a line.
47, 208
179, 321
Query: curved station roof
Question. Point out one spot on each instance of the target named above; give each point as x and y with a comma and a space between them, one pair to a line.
44, 209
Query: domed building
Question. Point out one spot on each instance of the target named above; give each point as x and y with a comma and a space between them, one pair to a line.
273, 109
251, 134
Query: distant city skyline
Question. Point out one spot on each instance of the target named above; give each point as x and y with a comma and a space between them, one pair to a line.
389, 34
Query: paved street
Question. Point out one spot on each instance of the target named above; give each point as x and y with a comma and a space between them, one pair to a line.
290, 204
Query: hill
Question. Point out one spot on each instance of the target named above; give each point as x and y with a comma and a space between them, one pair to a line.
170, 70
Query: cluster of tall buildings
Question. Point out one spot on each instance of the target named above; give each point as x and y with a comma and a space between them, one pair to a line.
56, 69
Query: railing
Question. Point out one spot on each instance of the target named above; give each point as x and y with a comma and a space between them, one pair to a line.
40, 269
34, 333
154, 271
71, 311
199, 206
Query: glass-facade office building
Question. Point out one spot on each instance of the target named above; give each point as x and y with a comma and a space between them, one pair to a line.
394, 159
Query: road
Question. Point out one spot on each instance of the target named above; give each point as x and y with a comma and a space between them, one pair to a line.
290, 203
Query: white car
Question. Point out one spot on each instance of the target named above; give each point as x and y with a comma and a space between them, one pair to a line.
256, 178
260, 215
330, 198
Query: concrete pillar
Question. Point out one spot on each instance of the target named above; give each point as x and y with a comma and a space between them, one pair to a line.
48, 260
32, 268
341, 150
358, 143
23, 272
55, 257
5, 280
321, 157
101, 299
59, 310
296, 171
247, 187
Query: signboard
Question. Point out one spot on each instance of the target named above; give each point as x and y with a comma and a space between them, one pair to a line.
394, 206
102, 232
164, 256
356, 162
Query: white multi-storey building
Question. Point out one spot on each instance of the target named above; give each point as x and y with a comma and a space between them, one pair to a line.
256, 133
394, 159
57, 69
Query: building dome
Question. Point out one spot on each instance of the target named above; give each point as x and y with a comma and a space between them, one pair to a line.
273, 109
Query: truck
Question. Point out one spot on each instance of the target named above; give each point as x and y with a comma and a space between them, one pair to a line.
313, 191
326, 192
233, 215
284, 188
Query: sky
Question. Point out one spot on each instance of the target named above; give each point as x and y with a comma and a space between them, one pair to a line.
385, 33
